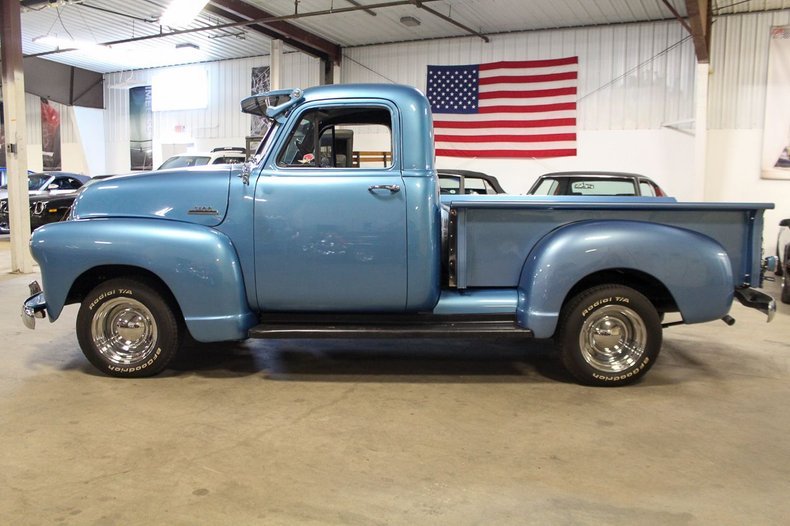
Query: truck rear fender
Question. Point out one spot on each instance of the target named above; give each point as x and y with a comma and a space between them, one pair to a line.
694, 269
197, 265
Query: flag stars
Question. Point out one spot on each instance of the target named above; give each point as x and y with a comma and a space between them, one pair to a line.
453, 89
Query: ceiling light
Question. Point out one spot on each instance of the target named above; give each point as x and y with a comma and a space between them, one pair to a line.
182, 12
410, 21
188, 45
64, 43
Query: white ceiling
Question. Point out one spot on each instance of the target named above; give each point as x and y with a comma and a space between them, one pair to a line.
102, 21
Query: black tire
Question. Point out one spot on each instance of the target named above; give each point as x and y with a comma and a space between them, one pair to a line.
781, 261
609, 335
126, 328
786, 287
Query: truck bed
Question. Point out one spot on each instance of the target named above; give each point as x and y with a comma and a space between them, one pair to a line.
490, 237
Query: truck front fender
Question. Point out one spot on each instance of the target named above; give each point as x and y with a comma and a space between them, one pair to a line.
198, 264
694, 268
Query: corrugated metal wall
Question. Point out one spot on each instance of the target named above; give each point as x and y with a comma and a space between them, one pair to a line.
632, 76
229, 82
739, 69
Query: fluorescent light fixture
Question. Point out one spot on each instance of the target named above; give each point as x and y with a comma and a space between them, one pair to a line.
188, 45
181, 13
64, 43
410, 21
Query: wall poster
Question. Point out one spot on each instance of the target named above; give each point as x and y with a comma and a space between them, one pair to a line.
2, 138
260, 84
50, 136
776, 134
140, 128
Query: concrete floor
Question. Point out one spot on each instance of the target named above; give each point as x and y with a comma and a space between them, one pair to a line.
394, 432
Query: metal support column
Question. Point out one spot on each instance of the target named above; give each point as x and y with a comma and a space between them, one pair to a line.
336, 74
15, 135
276, 66
700, 130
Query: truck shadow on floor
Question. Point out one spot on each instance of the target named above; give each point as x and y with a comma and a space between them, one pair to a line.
420, 361
403, 360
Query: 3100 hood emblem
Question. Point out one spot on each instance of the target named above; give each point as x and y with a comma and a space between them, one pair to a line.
203, 211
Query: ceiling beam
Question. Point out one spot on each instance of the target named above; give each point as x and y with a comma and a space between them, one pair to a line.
420, 4
243, 23
699, 22
295, 37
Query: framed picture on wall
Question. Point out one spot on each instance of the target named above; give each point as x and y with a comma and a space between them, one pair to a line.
776, 133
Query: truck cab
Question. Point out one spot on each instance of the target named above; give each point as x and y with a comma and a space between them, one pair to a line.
371, 227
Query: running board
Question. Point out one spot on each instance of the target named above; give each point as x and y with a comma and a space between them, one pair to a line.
366, 326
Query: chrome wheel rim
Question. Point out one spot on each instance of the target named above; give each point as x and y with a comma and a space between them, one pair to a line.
124, 331
613, 338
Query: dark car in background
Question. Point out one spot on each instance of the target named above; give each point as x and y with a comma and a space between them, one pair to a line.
51, 183
465, 182
783, 258
596, 183
51, 195
43, 209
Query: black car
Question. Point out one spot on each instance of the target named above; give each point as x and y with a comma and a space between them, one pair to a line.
465, 182
783, 258
45, 208
596, 183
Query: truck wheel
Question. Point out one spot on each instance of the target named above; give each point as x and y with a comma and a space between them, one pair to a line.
127, 329
609, 335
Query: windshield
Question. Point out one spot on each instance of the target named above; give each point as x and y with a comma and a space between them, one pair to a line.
583, 186
37, 181
265, 144
184, 161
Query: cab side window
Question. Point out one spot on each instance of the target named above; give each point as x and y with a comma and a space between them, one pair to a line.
342, 137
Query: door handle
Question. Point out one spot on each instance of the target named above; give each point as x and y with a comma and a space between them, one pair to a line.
393, 188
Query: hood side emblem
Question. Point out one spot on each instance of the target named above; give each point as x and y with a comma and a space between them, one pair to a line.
203, 211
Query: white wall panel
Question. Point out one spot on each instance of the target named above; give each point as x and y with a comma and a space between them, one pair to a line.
739, 64
627, 78
33, 118
72, 159
736, 110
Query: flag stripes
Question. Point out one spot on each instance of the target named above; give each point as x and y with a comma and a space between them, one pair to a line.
518, 109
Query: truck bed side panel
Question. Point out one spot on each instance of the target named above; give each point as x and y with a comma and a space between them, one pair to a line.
693, 267
493, 242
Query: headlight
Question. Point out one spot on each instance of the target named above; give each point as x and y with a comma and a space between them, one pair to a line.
38, 207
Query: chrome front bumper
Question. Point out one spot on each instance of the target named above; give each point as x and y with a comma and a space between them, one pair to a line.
34, 307
757, 300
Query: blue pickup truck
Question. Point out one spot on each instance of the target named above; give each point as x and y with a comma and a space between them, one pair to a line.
307, 241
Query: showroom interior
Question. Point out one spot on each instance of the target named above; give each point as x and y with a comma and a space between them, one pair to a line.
692, 94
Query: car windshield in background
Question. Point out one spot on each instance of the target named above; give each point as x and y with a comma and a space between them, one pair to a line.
37, 181
228, 160
185, 161
471, 186
607, 187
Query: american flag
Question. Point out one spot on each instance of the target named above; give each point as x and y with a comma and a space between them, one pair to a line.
505, 109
